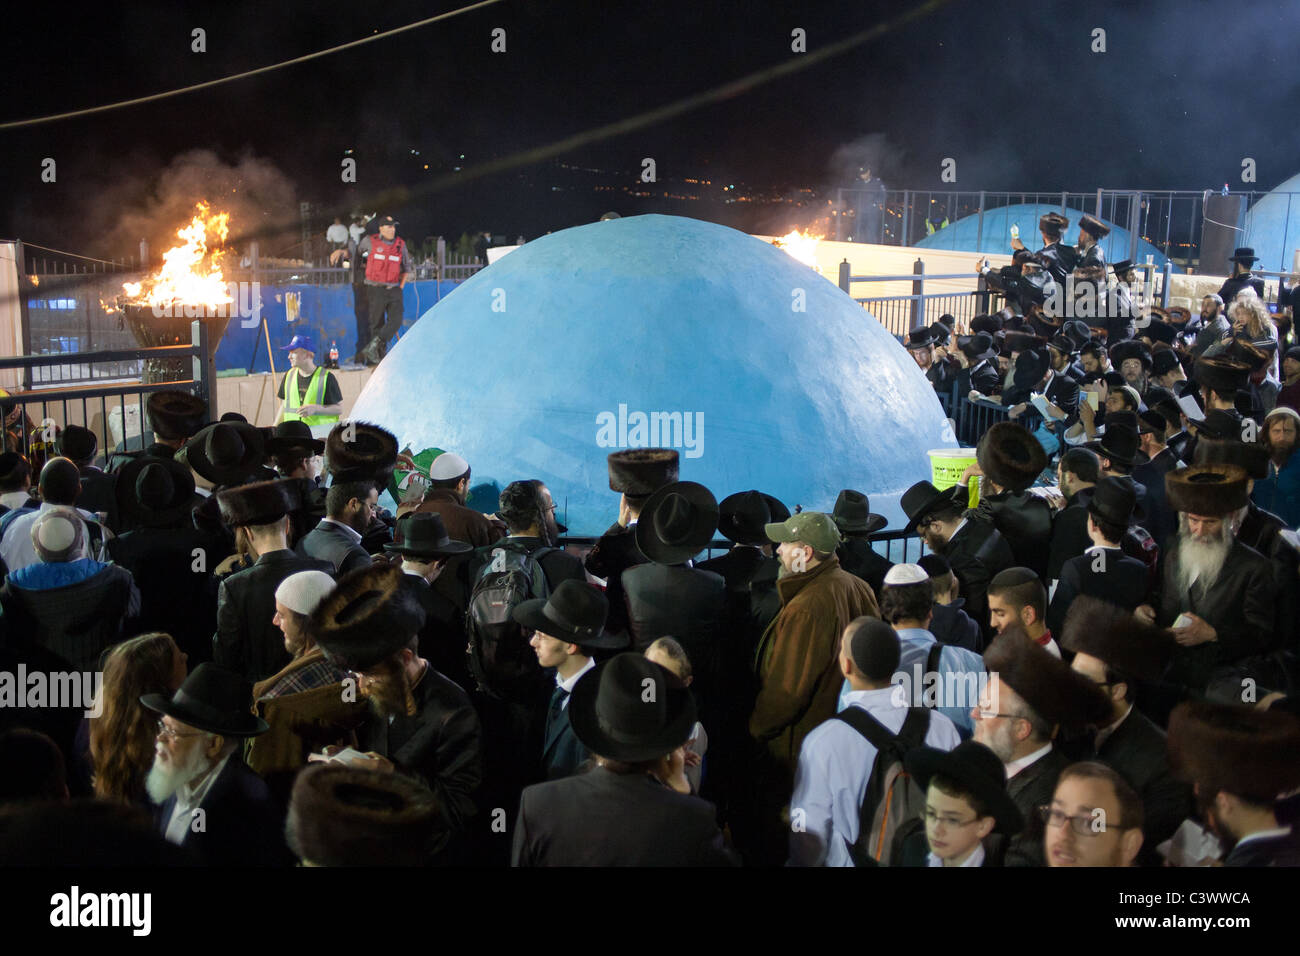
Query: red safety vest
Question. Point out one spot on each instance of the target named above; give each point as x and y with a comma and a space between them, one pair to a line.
385, 261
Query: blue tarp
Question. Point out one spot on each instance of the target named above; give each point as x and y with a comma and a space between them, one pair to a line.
324, 312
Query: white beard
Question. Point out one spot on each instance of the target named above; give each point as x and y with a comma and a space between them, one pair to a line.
1202, 561
165, 778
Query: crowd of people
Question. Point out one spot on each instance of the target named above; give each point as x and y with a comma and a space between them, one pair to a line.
1092, 666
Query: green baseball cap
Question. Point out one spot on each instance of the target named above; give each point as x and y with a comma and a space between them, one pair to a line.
815, 528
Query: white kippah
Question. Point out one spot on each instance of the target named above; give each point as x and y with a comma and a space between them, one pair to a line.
303, 591
906, 574
448, 465
57, 535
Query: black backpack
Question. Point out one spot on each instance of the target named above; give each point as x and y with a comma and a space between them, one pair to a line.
893, 798
500, 658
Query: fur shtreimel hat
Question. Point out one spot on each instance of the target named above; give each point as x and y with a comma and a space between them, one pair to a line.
1252, 456
175, 415
261, 502
1241, 750
357, 451
1094, 227
1010, 456
367, 618
1053, 224
1046, 683
1211, 491
640, 472
1113, 635
1221, 375
340, 816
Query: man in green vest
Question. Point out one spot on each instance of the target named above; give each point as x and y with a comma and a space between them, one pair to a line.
308, 393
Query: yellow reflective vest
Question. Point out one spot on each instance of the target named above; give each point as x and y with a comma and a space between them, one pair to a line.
315, 396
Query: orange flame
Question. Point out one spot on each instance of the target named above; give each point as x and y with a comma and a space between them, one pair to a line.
191, 272
800, 245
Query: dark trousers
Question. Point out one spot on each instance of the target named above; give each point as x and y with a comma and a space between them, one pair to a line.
385, 311
361, 305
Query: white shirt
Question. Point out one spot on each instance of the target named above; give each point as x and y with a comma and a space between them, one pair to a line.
567, 684
831, 779
14, 499
16, 547
337, 233
352, 532
1264, 835
1016, 766
356, 232
976, 858
188, 799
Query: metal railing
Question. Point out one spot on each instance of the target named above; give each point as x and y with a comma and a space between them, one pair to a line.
900, 546
34, 417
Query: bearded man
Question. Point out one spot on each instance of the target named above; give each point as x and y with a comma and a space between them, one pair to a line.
208, 800
1217, 594
421, 723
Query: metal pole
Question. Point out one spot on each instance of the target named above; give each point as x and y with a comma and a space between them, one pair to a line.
918, 291
1134, 214
844, 276
907, 218
979, 226
1164, 284
144, 254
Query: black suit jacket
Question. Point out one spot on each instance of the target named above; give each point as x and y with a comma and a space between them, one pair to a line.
442, 639
861, 560
952, 625
246, 640
98, 493
1032, 788
1274, 851
1106, 573
174, 596
1136, 751
440, 744
601, 818
614, 553
1160, 519
328, 542
1024, 520
1069, 533
1234, 284
976, 553
241, 822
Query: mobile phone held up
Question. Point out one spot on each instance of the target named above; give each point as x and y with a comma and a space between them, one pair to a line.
1015, 230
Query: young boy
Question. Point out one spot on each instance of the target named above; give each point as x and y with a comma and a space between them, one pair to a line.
966, 799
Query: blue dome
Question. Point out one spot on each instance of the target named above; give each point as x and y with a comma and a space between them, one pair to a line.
601, 336
996, 237
1273, 227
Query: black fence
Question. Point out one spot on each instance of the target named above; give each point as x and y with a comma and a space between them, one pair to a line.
34, 416
901, 546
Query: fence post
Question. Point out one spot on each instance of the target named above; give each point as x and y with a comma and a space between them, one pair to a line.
979, 226
442, 256
918, 292
845, 282
907, 218
1134, 225
204, 365
144, 255
1164, 284
982, 296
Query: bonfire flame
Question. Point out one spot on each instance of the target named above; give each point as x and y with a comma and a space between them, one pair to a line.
801, 245
191, 272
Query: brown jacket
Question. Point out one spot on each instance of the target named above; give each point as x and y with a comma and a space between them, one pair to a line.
301, 723
462, 524
798, 657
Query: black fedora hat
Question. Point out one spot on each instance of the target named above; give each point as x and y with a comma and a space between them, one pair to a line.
741, 516
923, 498
977, 346
677, 522
630, 709
574, 613
1164, 361
1062, 343
225, 452
852, 514
1120, 442
293, 437
919, 338
942, 331
1243, 254
153, 492
212, 699
1115, 500
975, 767
423, 536
1122, 267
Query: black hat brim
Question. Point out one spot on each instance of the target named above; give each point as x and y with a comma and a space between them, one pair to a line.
196, 454
597, 739
285, 446
242, 725
450, 549
706, 524
133, 511
532, 614
924, 762
869, 525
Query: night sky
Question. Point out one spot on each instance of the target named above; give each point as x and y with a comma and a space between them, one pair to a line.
1011, 91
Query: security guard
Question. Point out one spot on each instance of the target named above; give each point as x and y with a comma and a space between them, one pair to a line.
308, 393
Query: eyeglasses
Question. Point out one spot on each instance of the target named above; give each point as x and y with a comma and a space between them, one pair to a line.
932, 818
165, 731
1085, 824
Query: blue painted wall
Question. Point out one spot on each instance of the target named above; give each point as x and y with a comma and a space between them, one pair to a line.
519, 367
996, 236
1273, 228
324, 312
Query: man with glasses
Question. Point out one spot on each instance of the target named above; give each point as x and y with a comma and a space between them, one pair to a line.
349, 508
1094, 818
208, 800
1029, 697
